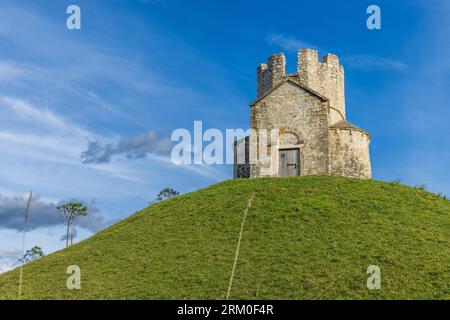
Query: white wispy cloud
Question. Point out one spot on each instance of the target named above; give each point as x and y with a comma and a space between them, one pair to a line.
211, 172
95, 98
370, 62
41, 147
288, 43
62, 142
359, 61
10, 71
41, 116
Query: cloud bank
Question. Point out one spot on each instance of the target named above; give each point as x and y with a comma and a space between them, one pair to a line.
134, 148
8, 258
43, 214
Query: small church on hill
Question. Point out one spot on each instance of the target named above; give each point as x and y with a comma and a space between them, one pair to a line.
299, 125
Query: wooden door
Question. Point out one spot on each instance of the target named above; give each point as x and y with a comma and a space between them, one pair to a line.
289, 163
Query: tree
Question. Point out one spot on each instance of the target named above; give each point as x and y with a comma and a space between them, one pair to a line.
72, 236
166, 194
69, 213
32, 254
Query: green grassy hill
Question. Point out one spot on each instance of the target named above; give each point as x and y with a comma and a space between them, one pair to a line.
303, 238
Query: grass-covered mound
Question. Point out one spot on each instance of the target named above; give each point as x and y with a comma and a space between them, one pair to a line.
304, 238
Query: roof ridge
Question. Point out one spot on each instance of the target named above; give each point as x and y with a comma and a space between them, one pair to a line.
294, 81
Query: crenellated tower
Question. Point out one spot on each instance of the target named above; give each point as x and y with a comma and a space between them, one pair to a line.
326, 77
305, 113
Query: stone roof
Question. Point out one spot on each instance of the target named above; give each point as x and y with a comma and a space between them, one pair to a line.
347, 125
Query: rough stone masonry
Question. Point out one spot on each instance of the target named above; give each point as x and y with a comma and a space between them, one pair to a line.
307, 112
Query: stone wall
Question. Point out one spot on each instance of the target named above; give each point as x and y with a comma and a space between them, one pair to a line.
241, 168
264, 84
299, 116
349, 152
325, 77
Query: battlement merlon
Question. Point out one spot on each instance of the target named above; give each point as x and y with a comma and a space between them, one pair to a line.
277, 68
330, 58
270, 74
262, 76
310, 57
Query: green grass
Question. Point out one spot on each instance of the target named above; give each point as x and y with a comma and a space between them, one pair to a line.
304, 238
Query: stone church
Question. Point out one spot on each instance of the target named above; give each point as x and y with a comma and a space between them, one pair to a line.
298, 123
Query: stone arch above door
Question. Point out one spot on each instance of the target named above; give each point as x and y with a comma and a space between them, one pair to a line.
289, 138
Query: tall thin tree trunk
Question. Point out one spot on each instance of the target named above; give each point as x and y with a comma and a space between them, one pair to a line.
67, 238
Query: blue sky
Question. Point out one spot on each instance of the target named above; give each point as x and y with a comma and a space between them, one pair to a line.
138, 69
